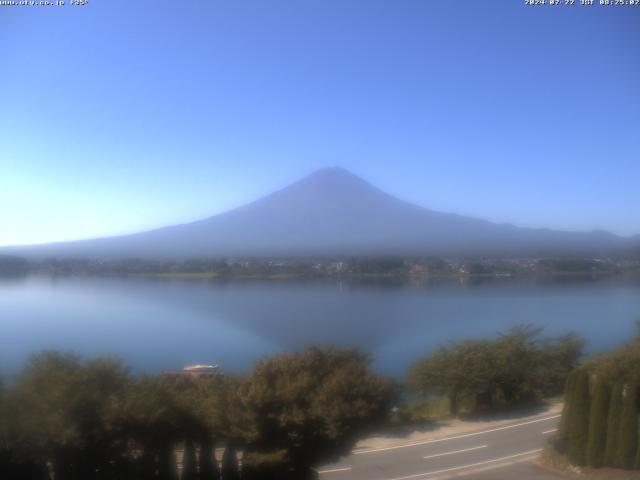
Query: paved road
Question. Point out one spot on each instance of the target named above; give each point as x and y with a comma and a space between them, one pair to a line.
486, 454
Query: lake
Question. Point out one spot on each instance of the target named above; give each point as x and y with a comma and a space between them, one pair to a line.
160, 324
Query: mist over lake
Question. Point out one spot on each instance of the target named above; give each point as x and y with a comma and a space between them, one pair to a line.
156, 325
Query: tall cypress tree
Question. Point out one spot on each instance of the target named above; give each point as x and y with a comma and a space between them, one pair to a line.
566, 412
230, 464
613, 426
579, 419
189, 462
598, 423
167, 469
208, 464
628, 438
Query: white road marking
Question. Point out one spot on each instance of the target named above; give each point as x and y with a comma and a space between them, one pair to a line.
470, 465
456, 451
486, 468
456, 437
334, 470
550, 431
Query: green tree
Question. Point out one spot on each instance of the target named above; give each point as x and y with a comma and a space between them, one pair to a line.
5, 444
516, 367
67, 412
217, 406
628, 432
559, 357
208, 465
613, 426
266, 466
569, 395
519, 361
579, 420
623, 364
189, 462
465, 370
314, 404
598, 423
216, 415
157, 423
230, 469
17, 458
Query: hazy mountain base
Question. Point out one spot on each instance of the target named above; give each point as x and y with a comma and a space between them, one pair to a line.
333, 212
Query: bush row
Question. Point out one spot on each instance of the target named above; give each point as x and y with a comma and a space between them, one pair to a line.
600, 422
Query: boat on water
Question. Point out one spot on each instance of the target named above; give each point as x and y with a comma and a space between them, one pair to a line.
195, 371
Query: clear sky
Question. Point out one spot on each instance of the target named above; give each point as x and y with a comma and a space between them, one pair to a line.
124, 115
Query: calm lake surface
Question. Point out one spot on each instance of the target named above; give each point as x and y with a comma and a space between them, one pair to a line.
165, 324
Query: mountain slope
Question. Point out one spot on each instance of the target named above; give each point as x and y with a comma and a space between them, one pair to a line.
331, 212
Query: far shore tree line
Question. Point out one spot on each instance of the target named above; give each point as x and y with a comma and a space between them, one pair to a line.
395, 266
70, 418
600, 425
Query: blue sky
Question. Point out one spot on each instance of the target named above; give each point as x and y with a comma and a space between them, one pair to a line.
121, 116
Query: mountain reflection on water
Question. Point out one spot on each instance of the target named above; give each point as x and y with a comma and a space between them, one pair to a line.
157, 324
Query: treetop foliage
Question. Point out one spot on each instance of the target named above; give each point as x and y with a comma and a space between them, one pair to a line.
92, 419
319, 397
519, 366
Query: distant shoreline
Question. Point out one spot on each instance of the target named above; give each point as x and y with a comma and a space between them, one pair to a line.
361, 277
363, 268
